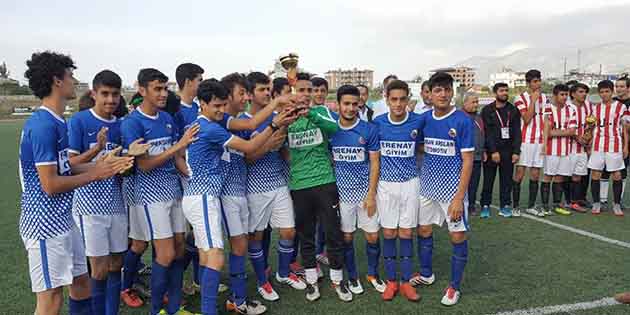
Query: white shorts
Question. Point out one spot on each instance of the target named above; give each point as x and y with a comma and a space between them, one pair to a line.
397, 204
54, 262
204, 214
353, 215
579, 162
235, 215
558, 165
434, 212
530, 155
610, 161
103, 234
156, 221
273, 208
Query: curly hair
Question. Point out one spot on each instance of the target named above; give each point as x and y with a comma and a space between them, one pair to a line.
43, 68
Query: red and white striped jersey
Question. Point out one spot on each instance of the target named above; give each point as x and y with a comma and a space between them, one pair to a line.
608, 132
581, 112
533, 131
561, 119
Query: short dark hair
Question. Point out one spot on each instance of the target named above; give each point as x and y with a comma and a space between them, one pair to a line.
43, 68
122, 110
86, 101
570, 83
173, 103
498, 85
277, 85
147, 75
532, 74
576, 86
625, 79
106, 78
560, 88
441, 79
211, 88
303, 76
389, 77
317, 82
256, 78
363, 86
605, 84
397, 85
424, 84
231, 80
186, 71
347, 90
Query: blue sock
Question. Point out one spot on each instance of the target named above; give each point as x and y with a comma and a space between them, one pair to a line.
210, 279
389, 258
373, 252
321, 239
98, 291
458, 262
351, 265
130, 265
238, 279
256, 258
79, 307
406, 259
425, 255
112, 304
285, 253
196, 269
266, 244
296, 248
175, 283
159, 285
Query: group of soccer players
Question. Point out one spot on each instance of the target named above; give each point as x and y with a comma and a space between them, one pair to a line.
98, 188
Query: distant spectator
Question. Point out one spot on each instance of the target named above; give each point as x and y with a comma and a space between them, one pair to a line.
471, 106
86, 101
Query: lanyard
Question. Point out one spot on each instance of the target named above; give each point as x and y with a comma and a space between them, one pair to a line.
501, 120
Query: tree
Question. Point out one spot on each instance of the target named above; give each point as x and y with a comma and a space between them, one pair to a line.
4, 72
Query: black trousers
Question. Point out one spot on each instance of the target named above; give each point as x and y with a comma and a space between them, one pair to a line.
506, 169
473, 185
319, 204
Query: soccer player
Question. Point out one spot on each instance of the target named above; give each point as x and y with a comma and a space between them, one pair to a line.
188, 77
471, 105
56, 255
447, 135
355, 151
98, 208
579, 146
365, 112
203, 190
398, 186
159, 216
313, 189
531, 105
268, 195
559, 127
609, 149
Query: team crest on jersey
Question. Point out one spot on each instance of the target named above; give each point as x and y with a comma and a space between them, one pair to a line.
361, 140
414, 133
452, 133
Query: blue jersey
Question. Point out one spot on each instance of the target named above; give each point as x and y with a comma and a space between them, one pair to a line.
102, 197
445, 138
269, 172
44, 141
398, 147
161, 183
350, 150
205, 157
234, 169
188, 113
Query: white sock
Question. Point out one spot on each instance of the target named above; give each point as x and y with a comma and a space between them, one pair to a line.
311, 275
603, 190
336, 275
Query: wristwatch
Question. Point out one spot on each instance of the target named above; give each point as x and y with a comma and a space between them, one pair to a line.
274, 127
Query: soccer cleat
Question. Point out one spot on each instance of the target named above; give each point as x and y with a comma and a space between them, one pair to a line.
312, 292
516, 212
320, 273
342, 291
252, 307
390, 290
617, 210
451, 297
577, 207
596, 208
535, 212
623, 297
292, 280
267, 292
297, 268
485, 212
417, 279
409, 292
377, 283
131, 299
355, 286
561, 211
505, 212
322, 258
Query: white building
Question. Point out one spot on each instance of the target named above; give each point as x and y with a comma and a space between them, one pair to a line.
506, 75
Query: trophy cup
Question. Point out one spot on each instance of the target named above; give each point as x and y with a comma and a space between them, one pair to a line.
290, 63
591, 122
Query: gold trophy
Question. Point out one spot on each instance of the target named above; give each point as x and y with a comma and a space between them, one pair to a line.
290, 64
591, 122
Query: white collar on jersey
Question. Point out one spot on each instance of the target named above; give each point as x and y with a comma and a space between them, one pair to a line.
52, 113
147, 115
445, 116
389, 117
101, 118
348, 128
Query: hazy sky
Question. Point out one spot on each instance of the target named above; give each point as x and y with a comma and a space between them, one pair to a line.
402, 37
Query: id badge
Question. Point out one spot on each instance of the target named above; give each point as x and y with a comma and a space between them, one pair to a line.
225, 156
505, 133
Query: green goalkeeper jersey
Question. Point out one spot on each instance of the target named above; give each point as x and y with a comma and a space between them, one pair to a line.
310, 162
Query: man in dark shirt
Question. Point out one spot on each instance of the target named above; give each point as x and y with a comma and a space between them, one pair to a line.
503, 145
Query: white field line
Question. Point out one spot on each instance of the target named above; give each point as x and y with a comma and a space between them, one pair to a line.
575, 230
563, 308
